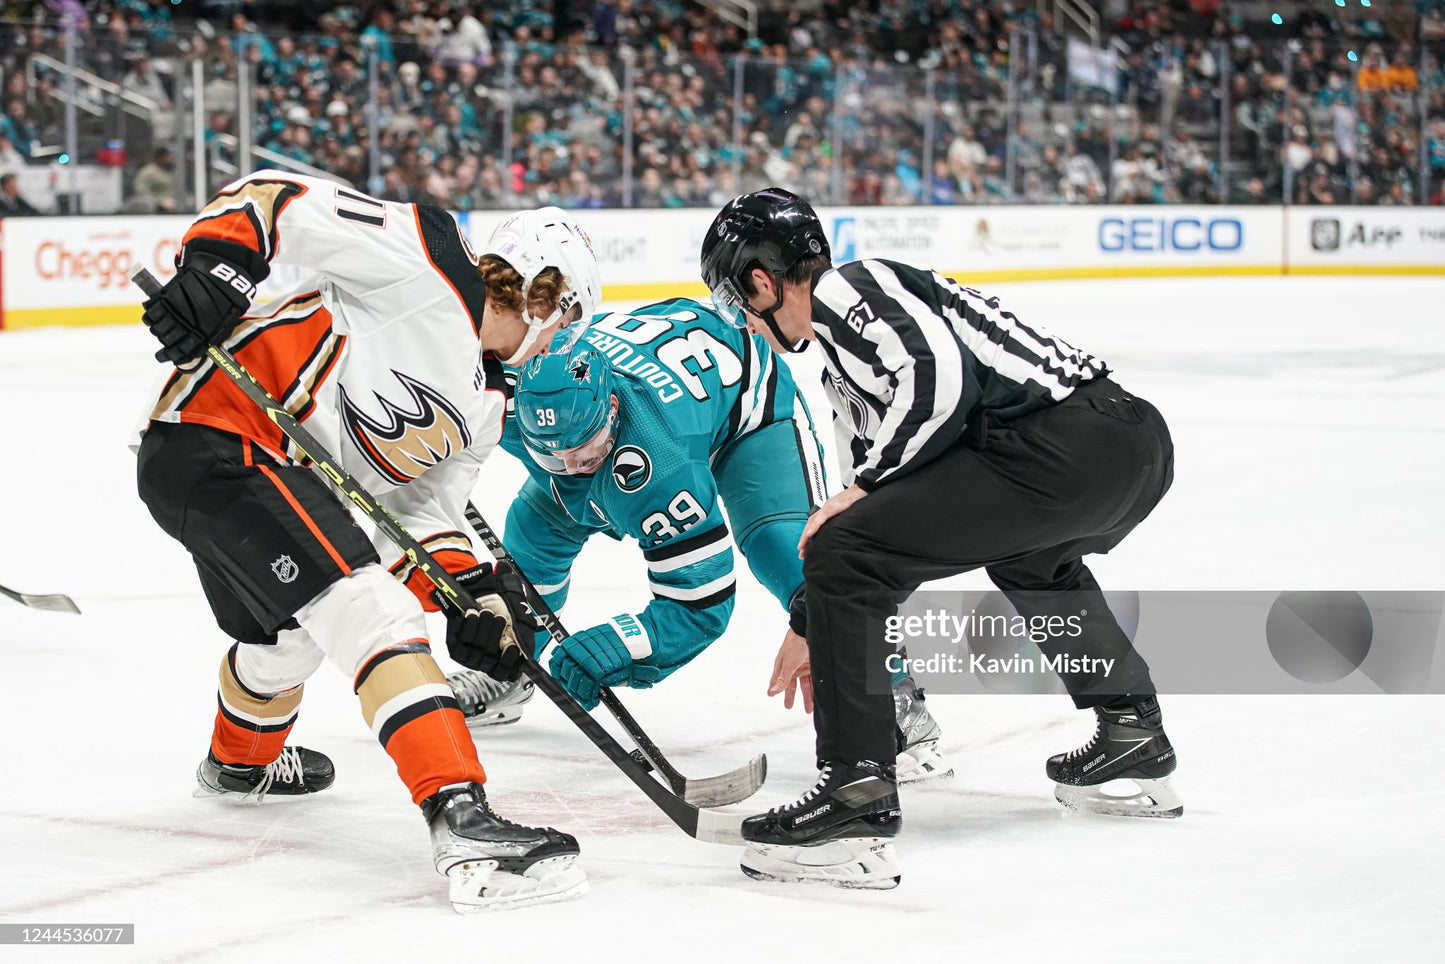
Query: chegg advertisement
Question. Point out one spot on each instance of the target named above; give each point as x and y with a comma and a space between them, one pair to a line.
73, 270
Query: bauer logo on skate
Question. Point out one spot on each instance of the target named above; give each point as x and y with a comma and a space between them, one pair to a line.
408, 438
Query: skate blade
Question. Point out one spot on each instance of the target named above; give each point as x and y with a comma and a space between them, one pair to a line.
921, 762
479, 886
1125, 797
501, 717
862, 863
235, 798
509, 712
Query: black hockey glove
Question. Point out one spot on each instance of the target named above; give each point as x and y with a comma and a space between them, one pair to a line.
495, 638
214, 283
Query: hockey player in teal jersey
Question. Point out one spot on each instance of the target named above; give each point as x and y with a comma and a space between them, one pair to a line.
668, 426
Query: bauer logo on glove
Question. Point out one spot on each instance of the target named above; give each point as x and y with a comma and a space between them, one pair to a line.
234, 278
213, 287
501, 633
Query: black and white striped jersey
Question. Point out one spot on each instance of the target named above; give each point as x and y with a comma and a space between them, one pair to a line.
914, 358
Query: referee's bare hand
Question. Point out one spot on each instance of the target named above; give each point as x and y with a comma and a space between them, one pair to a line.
826, 511
792, 671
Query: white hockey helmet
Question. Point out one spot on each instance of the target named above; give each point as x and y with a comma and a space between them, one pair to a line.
531, 242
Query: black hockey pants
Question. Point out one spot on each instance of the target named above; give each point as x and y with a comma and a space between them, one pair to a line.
1025, 501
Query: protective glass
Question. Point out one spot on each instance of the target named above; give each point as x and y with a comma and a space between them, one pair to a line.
569, 335
730, 303
582, 459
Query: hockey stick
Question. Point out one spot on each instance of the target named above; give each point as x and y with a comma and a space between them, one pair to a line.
718, 791
705, 825
53, 602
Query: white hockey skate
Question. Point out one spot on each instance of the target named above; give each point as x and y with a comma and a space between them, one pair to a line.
918, 734
492, 863
488, 702
1123, 798
859, 863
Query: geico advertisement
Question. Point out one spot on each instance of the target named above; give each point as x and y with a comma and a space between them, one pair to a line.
1370, 236
1193, 236
82, 262
1042, 240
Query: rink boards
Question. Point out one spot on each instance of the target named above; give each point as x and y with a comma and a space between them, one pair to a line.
72, 271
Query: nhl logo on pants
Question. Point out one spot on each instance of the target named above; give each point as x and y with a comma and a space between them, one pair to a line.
285, 569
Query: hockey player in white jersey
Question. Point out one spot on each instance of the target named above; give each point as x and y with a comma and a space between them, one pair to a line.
392, 356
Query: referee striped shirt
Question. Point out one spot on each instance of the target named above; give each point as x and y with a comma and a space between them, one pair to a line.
912, 359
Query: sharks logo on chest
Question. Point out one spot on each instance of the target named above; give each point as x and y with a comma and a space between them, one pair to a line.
631, 468
409, 438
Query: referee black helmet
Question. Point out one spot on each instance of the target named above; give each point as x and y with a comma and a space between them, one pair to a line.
772, 229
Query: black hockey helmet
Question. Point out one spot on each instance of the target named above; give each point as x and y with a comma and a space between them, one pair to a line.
772, 229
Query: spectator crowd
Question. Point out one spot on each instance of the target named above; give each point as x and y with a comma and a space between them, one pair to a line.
608, 103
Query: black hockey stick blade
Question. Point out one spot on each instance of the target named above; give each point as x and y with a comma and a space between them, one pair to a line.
706, 825
735, 786
726, 788
51, 602
717, 791
709, 826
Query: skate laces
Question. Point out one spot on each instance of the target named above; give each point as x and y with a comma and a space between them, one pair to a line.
477, 688
1088, 748
808, 797
286, 768
1132, 717
486, 807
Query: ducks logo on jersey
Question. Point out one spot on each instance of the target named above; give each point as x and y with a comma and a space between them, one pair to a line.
408, 439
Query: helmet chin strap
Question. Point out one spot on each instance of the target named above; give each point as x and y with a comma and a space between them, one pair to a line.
535, 327
528, 340
767, 314
791, 347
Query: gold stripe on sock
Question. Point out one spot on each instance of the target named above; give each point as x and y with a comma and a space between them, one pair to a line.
390, 679
278, 707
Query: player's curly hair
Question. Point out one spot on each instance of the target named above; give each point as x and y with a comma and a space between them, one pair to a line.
504, 286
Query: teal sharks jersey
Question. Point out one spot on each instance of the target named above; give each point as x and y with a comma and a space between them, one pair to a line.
707, 417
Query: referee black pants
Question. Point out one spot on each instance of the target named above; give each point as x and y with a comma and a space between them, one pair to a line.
1026, 503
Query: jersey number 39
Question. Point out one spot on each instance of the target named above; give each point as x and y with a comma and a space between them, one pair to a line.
682, 510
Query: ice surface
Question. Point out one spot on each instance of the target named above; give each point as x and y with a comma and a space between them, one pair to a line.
1311, 453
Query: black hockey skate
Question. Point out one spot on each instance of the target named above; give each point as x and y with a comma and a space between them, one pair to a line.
1128, 745
488, 702
492, 862
295, 772
839, 832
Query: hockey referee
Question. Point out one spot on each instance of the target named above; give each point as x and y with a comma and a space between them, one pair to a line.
975, 439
